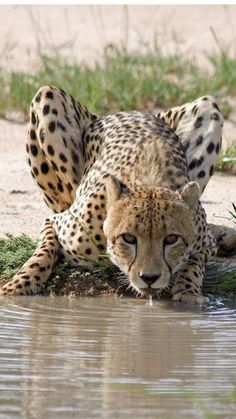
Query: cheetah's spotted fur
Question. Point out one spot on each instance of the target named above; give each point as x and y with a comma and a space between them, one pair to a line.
80, 161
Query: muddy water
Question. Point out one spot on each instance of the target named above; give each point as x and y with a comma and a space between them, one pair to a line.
116, 358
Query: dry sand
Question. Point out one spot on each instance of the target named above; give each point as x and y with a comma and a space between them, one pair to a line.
83, 31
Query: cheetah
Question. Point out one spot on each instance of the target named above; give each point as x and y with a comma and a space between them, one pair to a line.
127, 185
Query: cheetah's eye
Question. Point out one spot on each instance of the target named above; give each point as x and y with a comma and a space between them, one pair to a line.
129, 238
171, 239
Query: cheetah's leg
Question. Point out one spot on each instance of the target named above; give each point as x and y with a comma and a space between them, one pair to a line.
199, 127
55, 146
33, 275
56, 154
188, 283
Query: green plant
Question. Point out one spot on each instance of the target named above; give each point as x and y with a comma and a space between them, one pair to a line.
14, 251
227, 160
233, 213
145, 79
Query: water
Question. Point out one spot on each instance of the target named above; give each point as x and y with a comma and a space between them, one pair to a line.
116, 358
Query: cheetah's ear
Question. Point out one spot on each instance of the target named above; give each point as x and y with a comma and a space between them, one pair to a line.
114, 189
191, 194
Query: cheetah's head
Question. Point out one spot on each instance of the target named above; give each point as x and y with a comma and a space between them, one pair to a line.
149, 231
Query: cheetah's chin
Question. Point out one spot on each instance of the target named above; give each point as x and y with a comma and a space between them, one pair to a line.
147, 292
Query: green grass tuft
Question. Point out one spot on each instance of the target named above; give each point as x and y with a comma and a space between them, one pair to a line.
141, 80
227, 160
233, 213
227, 286
144, 80
14, 252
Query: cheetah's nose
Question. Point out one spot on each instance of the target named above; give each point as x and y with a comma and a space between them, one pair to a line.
149, 279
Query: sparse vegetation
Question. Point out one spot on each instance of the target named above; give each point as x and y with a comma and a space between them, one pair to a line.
233, 212
122, 81
146, 80
227, 160
14, 251
227, 285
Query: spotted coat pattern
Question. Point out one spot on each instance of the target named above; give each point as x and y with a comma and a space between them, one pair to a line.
71, 153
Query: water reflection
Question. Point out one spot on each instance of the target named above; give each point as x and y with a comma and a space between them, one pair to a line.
114, 358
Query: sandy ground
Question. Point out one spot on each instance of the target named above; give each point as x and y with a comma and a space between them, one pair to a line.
84, 30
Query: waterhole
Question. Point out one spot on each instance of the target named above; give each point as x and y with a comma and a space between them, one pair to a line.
109, 357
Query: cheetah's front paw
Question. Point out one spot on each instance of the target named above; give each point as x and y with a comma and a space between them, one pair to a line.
13, 287
190, 298
8, 291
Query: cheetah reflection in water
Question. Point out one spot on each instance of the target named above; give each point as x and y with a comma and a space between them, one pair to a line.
133, 180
